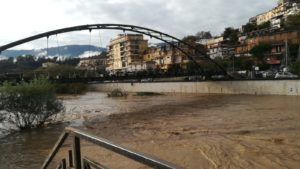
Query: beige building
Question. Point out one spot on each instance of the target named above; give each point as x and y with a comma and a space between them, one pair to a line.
164, 56
216, 48
125, 53
92, 63
284, 8
267, 16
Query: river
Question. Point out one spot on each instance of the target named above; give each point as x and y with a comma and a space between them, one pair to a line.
194, 131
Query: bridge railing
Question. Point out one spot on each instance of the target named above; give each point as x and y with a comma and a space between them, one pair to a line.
76, 161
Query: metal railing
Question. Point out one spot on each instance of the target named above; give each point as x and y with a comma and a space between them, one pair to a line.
77, 162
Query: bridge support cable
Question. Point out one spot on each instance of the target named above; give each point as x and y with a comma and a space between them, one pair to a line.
58, 47
47, 47
100, 38
90, 42
171, 40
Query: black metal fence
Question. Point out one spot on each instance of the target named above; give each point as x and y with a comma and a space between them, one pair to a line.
76, 161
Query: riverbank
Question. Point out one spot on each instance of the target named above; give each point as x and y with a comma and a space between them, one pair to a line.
248, 87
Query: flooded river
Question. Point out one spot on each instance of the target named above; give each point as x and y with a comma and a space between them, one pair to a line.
193, 131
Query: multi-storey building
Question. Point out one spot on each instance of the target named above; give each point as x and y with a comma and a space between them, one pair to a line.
125, 53
267, 16
278, 14
164, 56
277, 40
217, 48
92, 63
247, 43
221, 50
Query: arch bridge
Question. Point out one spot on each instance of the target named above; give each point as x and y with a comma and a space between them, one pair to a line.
168, 39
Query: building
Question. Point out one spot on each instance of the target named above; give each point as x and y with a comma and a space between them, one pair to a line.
221, 50
278, 14
92, 63
125, 53
275, 12
247, 43
217, 47
164, 56
276, 39
213, 41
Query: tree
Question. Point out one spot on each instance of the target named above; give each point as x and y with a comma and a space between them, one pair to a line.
59, 70
246, 63
70, 61
30, 104
25, 63
7, 65
192, 68
293, 22
203, 35
294, 51
264, 25
260, 50
249, 27
174, 70
231, 35
191, 39
295, 68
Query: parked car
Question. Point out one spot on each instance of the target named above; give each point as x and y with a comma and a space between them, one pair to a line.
269, 74
285, 75
147, 80
195, 78
218, 77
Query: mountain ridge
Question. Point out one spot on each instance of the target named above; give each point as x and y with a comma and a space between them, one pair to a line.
62, 51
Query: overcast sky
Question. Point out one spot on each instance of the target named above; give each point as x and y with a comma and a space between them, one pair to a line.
23, 18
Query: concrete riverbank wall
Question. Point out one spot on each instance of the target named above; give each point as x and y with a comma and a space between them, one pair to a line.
252, 87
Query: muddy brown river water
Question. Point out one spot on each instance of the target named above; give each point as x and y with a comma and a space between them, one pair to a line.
192, 131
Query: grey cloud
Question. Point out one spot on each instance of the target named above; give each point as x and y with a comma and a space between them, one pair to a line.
174, 16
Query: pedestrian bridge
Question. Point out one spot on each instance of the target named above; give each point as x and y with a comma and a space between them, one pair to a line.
174, 42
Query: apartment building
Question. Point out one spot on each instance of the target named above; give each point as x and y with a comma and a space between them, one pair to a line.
125, 53
277, 40
278, 14
92, 63
164, 56
217, 48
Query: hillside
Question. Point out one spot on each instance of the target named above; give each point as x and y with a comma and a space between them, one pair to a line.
63, 51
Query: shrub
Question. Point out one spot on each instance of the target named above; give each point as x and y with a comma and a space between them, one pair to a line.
295, 68
30, 104
117, 93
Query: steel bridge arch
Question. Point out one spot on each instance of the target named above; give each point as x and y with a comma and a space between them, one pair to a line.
170, 40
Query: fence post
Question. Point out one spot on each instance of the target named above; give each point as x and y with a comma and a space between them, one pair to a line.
77, 153
70, 158
64, 164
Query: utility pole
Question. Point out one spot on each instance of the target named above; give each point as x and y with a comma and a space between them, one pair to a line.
233, 63
286, 54
298, 53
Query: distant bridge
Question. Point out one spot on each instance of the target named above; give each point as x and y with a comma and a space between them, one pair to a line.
170, 40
